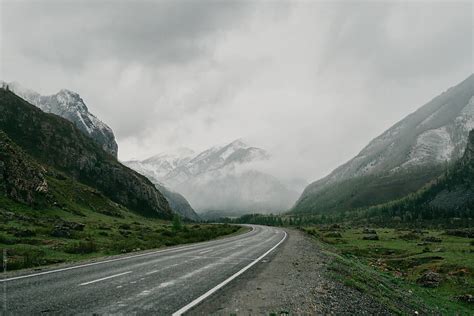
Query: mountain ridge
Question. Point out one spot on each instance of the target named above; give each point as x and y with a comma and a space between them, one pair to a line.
221, 178
69, 105
419, 144
56, 142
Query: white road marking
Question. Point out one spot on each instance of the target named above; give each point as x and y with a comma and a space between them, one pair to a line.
144, 293
201, 298
206, 251
106, 278
123, 258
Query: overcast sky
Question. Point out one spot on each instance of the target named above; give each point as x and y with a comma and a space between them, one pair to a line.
312, 82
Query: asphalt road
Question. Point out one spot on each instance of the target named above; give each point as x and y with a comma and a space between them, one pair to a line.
159, 283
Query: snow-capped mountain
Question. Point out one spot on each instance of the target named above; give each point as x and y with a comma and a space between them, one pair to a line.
431, 136
220, 178
435, 133
159, 166
231, 156
70, 106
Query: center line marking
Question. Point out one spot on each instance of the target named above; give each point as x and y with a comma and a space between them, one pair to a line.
102, 279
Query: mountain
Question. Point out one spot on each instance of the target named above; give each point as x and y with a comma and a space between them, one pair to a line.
56, 143
178, 203
162, 162
221, 178
70, 106
159, 166
449, 196
401, 160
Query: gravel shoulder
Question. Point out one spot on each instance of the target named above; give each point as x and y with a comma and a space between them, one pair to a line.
291, 280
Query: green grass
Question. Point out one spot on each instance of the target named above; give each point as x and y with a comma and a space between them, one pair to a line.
388, 268
29, 238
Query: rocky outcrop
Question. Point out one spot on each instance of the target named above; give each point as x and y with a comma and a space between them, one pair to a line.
56, 142
21, 179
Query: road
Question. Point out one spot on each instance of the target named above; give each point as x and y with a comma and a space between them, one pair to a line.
160, 282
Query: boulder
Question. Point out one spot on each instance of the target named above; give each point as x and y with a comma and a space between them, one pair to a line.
430, 279
371, 237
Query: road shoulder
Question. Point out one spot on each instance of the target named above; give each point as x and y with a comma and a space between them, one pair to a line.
293, 279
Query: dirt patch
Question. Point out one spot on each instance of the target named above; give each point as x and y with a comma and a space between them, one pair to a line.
292, 280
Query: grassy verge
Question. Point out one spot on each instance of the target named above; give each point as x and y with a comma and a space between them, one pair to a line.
35, 238
429, 271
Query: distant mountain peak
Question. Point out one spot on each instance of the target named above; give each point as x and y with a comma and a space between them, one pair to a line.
69, 105
221, 176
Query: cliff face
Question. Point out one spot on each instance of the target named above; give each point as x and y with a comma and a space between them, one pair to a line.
21, 179
468, 158
56, 142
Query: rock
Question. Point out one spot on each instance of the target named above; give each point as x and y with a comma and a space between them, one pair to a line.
369, 231
333, 235
430, 279
466, 298
467, 233
74, 226
432, 239
370, 237
422, 243
61, 231
24, 233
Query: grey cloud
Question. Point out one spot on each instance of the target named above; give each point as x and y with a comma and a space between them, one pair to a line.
311, 81
151, 32
429, 34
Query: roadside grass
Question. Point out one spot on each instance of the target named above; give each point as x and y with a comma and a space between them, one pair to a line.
389, 268
38, 237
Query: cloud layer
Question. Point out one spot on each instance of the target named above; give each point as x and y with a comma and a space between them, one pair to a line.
312, 82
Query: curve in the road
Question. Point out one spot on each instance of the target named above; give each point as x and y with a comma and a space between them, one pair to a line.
158, 282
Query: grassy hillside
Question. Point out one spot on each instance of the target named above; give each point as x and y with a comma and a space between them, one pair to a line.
430, 271
80, 229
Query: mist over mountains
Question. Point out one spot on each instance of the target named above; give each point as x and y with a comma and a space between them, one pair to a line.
223, 179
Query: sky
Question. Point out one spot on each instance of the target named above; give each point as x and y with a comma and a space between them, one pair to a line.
310, 81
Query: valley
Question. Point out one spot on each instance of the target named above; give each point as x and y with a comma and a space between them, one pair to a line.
236, 157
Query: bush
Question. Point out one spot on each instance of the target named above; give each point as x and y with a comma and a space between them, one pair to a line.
82, 247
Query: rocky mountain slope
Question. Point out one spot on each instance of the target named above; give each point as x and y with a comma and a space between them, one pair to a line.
402, 159
455, 191
178, 203
221, 178
449, 196
21, 178
70, 106
55, 142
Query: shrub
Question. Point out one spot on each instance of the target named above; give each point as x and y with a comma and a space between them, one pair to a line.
81, 247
